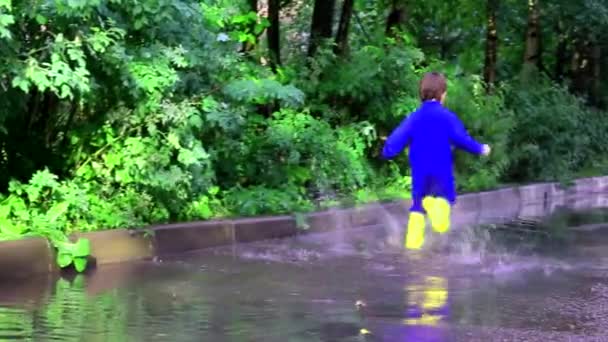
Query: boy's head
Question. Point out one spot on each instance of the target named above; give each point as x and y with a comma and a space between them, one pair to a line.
433, 86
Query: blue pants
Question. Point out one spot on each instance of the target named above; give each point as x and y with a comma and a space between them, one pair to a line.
435, 184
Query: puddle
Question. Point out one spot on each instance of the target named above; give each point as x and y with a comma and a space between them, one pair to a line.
352, 285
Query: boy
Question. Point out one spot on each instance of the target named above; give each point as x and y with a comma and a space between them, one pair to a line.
430, 132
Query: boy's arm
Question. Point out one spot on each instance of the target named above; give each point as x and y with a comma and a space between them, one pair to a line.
398, 140
461, 139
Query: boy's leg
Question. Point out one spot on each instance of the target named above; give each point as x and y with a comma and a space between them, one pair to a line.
439, 212
414, 237
439, 208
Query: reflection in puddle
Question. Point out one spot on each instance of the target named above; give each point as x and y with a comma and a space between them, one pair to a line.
422, 315
427, 303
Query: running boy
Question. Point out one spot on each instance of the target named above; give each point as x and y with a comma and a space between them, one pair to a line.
430, 132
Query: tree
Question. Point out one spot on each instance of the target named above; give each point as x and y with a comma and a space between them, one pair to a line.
396, 17
274, 37
533, 48
322, 24
343, 27
489, 71
561, 51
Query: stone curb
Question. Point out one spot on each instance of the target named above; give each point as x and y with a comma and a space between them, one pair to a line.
119, 245
186, 237
28, 257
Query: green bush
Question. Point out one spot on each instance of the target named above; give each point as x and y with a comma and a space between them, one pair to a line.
296, 149
555, 134
489, 121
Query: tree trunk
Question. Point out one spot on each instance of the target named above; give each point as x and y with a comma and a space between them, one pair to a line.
532, 55
580, 68
322, 24
252, 6
396, 18
274, 38
341, 47
489, 70
561, 58
596, 84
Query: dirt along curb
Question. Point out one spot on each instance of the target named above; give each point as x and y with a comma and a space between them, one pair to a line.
34, 256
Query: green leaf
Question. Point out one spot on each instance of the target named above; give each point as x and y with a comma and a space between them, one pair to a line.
40, 19
82, 248
66, 92
5, 210
204, 210
57, 210
64, 259
123, 176
195, 121
21, 83
80, 264
7, 227
209, 104
214, 190
173, 140
259, 28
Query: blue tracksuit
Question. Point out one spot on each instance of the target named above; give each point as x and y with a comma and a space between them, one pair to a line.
430, 132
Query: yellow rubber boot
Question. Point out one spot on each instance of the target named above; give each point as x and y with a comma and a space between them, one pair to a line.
438, 210
414, 238
428, 203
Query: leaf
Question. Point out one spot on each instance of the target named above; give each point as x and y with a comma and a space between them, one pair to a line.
82, 248
40, 19
16, 230
187, 157
64, 259
195, 121
259, 28
214, 190
21, 83
66, 92
80, 264
173, 140
5, 210
204, 210
123, 176
209, 104
57, 210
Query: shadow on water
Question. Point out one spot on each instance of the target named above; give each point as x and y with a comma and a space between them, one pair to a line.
528, 279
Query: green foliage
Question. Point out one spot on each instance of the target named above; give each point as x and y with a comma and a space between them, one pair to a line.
398, 187
6, 19
48, 208
488, 120
264, 91
155, 160
554, 135
259, 200
365, 86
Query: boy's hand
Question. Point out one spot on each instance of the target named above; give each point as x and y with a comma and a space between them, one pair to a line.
486, 150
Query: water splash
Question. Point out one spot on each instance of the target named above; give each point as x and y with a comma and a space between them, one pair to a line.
342, 223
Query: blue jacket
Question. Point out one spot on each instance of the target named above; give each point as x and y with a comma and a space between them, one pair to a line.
430, 132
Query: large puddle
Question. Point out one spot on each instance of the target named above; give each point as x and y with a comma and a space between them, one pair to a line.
350, 285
